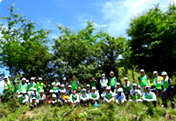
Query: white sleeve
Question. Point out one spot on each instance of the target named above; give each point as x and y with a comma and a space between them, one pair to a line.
88, 96
98, 96
106, 81
131, 92
70, 98
154, 97
101, 82
77, 99
139, 92
143, 96
124, 98
26, 99
53, 83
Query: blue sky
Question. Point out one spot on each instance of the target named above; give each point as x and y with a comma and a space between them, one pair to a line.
111, 15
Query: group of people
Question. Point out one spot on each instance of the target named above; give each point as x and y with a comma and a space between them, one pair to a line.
38, 93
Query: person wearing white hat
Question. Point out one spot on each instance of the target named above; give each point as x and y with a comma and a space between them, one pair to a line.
74, 99
31, 87
157, 82
69, 91
117, 87
42, 97
51, 93
143, 81
167, 90
104, 92
103, 82
93, 83
120, 98
149, 96
40, 85
109, 97
33, 104
23, 99
127, 87
8, 86
22, 86
53, 100
36, 95
62, 89
88, 89
94, 96
84, 99
135, 94
56, 85
63, 99
112, 81
65, 83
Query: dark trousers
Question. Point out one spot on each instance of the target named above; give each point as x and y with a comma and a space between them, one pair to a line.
168, 94
84, 102
95, 101
127, 95
113, 88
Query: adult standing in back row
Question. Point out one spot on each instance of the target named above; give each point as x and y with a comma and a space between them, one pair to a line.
103, 82
75, 83
112, 81
93, 83
143, 81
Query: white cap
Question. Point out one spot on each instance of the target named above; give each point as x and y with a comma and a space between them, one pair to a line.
24, 78
111, 72
41, 90
32, 78
33, 98
62, 91
142, 70
5, 77
24, 91
54, 95
134, 84
62, 85
155, 72
103, 74
87, 85
164, 73
117, 83
126, 78
51, 91
27, 80
120, 90
34, 89
147, 86
83, 89
69, 86
40, 79
108, 88
64, 78
93, 88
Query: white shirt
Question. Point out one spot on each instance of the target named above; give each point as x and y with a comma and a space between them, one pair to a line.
70, 98
132, 92
98, 96
86, 98
56, 83
43, 97
109, 94
154, 96
106, 82
25, 100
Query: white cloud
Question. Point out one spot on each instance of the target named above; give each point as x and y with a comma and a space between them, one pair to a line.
117, 14
1, 83
0, 0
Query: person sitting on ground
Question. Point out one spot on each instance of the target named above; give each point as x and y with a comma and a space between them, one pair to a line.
62, 88
22, 86
94, 96
120, 98
104, 92
112, 81
63, 99
55, 85
40, 85
42, 97
36, 95
48, 100
33, 104
149, 96
79, 91
23, 99
74, 99
47, 88
135, 94
117, 87
8, 86
109, 97
88, 91
84, 99
51, 93
69, 91
127, 87
53, 100
31, 87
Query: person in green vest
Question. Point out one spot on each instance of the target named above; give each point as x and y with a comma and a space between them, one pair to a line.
112, 81
143, 81
117, 87
8, 86
69, 91
47, 88
74, 99
75, 83
104, 92
31, 87
149, 96
22, 86
23, 99
135, 94
88, 91
40, 85
54, 100
167, 90
103, 82
94, 96
127, 87
42, 97
93, 83
120, 97
109, 96
33, 104
56, 85
79, 92
84, 99
157, 82
51, 93
36, 95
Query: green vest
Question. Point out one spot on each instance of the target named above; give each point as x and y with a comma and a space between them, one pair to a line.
136, 96
112, 81
31, 86
125, 86
165, 83
9, 86
143, 81
74, 98
53, 100
74, 85
108, 96
84, 96
94, 95
148, 97
79, 92
23, 87
93, 84
103, 81
35, 95
40, 86
56, 88
158, 82
21, 99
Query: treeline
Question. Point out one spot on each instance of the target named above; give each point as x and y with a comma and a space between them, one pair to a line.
89, 53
